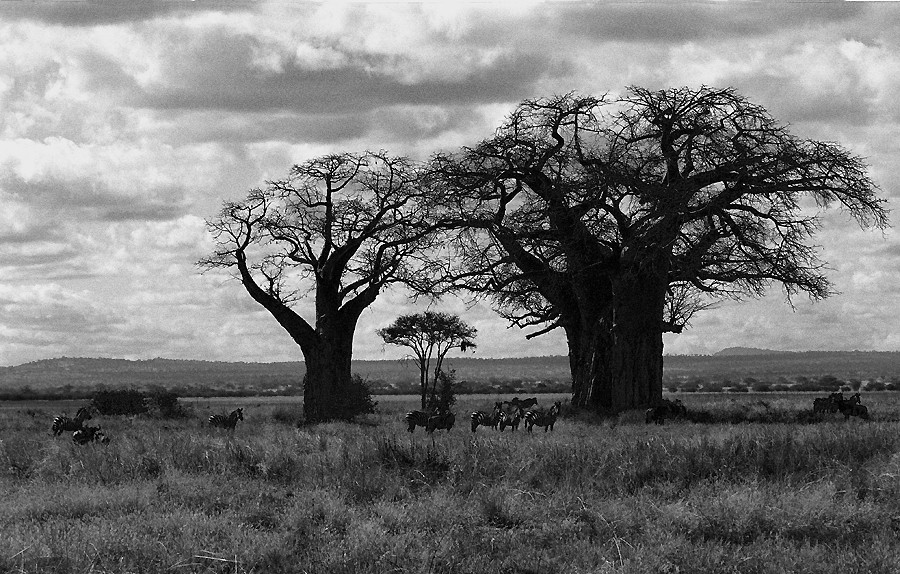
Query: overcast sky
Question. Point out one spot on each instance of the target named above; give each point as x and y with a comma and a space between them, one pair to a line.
123, 127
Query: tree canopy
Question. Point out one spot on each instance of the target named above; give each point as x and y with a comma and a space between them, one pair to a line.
430, 336
606, 217
340, 229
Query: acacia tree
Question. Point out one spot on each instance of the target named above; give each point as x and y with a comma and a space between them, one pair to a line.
429, 335
338, 230
617, 219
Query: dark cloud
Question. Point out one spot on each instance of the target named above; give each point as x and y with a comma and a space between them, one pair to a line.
238, 127
682, 22
90, 200
393, 123
350, 89
103, 12
220, 71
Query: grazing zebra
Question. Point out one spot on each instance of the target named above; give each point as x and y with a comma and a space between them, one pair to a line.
665, 410
442, 420
852, 408
63, 423
491, 419
511, 419
228, 421
541, 418
89, 434
416, 419
523, 404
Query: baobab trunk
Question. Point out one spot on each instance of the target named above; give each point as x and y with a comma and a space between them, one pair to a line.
617, 359
326, 389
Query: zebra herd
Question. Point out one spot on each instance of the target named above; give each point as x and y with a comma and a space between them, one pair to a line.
504, 414
835, 402
83, 434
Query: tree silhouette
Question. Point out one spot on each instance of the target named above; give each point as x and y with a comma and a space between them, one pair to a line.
430, 336
618, 219
338, 230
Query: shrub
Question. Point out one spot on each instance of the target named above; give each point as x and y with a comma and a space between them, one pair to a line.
360, 401
164, 403
445, 395
120, 402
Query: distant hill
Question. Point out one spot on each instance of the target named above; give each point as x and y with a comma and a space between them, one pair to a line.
199, 377
80, 376
772, 365
743, 351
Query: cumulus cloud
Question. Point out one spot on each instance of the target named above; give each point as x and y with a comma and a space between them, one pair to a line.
124, 124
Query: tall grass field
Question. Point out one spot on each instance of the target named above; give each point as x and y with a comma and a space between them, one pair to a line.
758, 487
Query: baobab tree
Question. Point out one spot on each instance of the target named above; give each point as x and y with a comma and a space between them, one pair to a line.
332, 235
617, 219
430, 336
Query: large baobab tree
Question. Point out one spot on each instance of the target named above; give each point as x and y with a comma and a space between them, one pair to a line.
616, 219
337, 231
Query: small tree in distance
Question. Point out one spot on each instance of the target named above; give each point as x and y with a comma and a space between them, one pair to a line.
431, 336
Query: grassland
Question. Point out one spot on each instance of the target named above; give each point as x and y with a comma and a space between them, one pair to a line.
780, 495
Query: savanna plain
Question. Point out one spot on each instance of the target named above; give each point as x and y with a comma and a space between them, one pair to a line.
758, 486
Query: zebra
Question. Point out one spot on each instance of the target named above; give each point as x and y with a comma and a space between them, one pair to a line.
512, 419
417, 419
490, 419
524, 404
442, 420
852, 408
228, 421
541, 418
63, 423
89, 434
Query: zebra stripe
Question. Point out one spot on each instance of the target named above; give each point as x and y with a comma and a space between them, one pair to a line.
512, 419
228, 421
63, 423
541, 418
481, 418
89, 434
416, 419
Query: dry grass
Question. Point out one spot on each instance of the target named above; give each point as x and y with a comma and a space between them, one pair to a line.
593, 496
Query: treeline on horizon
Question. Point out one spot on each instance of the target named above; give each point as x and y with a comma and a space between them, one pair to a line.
823, 371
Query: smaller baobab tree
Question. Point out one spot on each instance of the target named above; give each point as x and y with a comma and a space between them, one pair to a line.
337, 231
430, 336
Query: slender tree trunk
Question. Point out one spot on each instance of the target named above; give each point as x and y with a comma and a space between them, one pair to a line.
423, 384
617, 358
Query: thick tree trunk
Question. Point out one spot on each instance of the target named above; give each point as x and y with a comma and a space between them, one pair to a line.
617, 359
328, 376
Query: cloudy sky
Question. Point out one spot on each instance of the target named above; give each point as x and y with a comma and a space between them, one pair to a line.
124, 125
